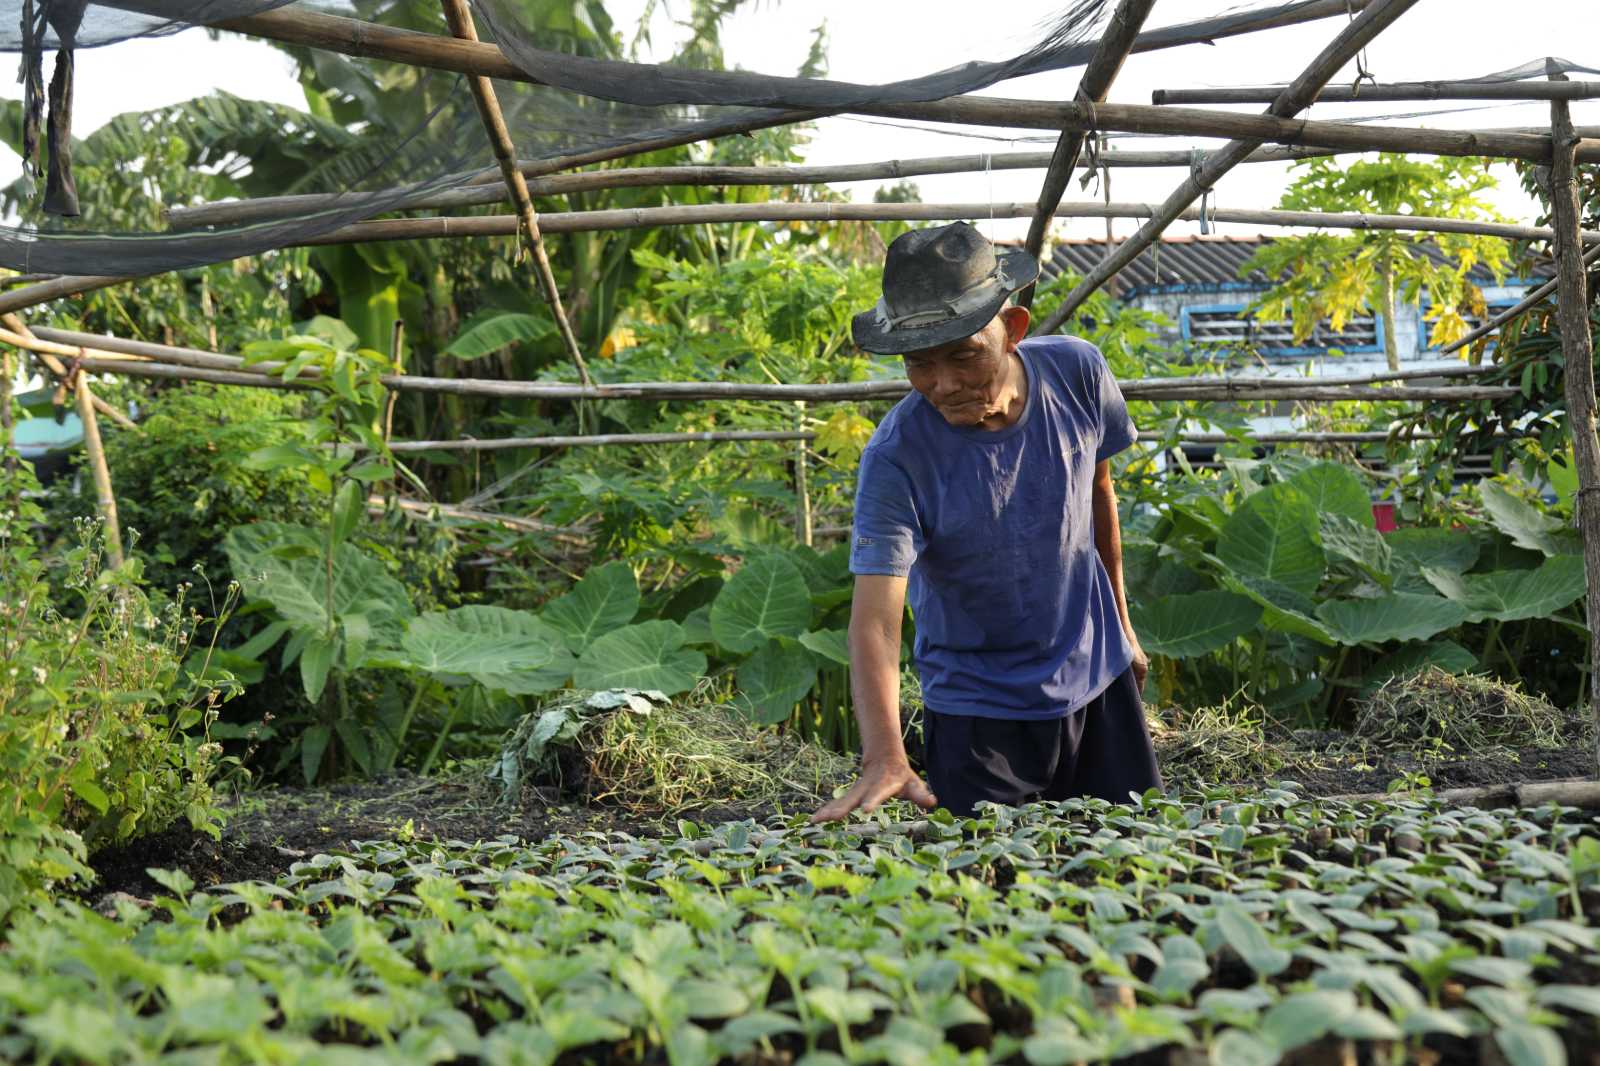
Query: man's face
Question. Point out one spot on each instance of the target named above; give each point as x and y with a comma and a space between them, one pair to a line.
966, 380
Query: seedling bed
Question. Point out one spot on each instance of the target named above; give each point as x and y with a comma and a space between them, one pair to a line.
1234, 928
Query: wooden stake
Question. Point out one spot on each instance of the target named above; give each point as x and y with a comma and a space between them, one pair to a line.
1294, 99
8, 440
1577, 354
459, 16
96, 453
1102, 70
802, 491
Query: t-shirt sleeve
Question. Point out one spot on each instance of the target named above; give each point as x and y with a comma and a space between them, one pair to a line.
885, 534
1116, 426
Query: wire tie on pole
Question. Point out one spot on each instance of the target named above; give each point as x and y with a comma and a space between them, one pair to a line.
1196, 161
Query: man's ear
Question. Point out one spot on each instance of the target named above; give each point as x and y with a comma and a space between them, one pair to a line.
1015, 322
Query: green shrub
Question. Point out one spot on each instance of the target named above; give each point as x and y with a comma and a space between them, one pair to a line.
182, 482
103, 731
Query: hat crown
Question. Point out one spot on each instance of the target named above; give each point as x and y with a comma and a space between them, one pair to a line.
929, 269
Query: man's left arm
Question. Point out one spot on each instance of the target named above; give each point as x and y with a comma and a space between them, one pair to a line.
1108, 542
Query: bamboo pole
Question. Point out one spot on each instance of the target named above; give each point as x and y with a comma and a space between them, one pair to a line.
598, 440
235, 212
459, 17
353, 37
1118, 40
1577, 352
66, 285
1395, 92
1575, 792
1521, 306
94, 450
802, 490
60, 372
458, 226
1292, 100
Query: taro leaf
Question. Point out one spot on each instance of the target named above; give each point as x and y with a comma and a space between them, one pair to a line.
606, 599
487, 335
1272, 536
1283, 609
1334, 488
1411, 550
1306, 1017
511, 651
1181, 627
649, 655
1246, 936
1447, 655
773, 680
1526, 1044
1397, 616
697, 626
766, 598
1360, 543
1526, 525
1512, 595
830, 644
297, 587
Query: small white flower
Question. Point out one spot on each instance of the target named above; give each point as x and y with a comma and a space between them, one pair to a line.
40, 674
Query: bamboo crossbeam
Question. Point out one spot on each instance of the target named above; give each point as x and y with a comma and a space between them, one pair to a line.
56, 288
1393, 93
113, 354
61, 373
461, 226
1532, 299
1295, 98
1112, 52
459, 17
237, 212
601, 439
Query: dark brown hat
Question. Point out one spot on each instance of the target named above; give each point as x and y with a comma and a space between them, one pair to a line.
940, 285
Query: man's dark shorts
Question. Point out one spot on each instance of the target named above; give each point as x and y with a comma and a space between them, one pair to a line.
1102, 749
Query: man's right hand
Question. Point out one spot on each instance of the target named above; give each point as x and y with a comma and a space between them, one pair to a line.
879, 781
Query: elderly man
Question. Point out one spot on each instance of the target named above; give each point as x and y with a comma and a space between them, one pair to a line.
986, 497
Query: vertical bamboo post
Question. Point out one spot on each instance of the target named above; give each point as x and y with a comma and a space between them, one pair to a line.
1577, 352
7, 422
802, 518
97, 465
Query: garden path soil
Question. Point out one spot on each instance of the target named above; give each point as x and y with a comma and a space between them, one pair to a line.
274, 828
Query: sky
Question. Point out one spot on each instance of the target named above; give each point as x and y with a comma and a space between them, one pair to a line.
885, 40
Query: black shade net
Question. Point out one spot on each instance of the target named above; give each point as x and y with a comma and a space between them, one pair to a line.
583, 106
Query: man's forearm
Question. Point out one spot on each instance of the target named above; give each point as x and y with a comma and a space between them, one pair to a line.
875, 685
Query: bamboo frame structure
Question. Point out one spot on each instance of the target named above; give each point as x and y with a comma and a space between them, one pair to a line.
60, 372
94, 450
1395, 92
236, 212
459, 17
1577, 350
1295, 98
1120, 37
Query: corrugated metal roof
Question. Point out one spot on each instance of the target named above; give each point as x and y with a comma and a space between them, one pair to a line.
1195, 260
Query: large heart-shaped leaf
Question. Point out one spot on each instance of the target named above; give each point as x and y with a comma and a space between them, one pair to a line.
1273, 536
1282, 608
1441, 549
1526, 525
1398, 616
1334, 488
297, 587
1346, 538
649, 655
606, 599
774, 679
1181, 627
830, 644
1512, 595
511, 651
767, 598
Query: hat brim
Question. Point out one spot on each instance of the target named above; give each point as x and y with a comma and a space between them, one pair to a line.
872, 332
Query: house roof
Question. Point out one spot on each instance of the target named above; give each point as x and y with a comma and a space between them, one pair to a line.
1197, 260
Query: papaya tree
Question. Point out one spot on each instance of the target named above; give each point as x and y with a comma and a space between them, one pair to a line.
1334, 276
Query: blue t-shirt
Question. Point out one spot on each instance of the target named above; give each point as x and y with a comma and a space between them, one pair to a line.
1014, 611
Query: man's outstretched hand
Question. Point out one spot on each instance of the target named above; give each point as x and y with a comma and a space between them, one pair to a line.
879, 782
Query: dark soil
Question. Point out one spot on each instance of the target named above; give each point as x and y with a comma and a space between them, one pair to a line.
1333, 776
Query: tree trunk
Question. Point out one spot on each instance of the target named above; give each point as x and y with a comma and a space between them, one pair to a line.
1391, 347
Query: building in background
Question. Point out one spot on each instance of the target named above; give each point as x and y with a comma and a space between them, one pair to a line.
1194, 282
